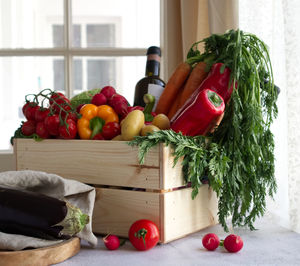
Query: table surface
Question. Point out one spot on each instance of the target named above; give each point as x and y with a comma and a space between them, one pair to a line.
270, 244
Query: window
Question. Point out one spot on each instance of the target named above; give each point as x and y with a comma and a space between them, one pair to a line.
71, 46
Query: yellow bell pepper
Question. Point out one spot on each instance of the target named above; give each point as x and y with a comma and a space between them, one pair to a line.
93, 118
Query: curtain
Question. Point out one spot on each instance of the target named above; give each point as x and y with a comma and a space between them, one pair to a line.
280, 31
277, 24
191, 21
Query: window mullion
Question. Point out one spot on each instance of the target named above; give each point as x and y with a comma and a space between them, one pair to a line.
67, 44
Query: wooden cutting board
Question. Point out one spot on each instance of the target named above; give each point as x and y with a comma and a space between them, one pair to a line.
41, 256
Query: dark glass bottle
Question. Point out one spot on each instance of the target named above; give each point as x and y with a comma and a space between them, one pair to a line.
151, 83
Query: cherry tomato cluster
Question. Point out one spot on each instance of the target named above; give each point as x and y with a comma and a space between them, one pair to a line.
49, 114
57, 120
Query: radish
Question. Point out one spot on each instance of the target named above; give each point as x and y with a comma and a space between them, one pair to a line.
111, 242
108, 91
99, 99
210, 241
119, 104
233, 243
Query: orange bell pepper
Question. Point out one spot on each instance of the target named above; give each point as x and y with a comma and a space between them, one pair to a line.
93, 118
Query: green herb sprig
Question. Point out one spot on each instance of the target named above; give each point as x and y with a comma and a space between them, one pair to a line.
200, 156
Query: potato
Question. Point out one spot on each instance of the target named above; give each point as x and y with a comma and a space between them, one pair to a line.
148, 129
132, 125
119, 137
161, 121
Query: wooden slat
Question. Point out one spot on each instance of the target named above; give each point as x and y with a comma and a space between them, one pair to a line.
93, 162
183, 216
171, 176
115, 210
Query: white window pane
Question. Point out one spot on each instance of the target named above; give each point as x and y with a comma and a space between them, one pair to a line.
100, 35
20, 76
133, 23
120, 72
28, 23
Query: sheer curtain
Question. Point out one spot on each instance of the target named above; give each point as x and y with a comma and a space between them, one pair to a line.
276, 22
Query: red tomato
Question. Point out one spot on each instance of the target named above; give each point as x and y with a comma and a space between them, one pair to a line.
98, 137
25, 107
58, 101
41, 130
143, 234
68, 132
41, 114
29, 110
110, 130
70, 115
52, 124
28, 128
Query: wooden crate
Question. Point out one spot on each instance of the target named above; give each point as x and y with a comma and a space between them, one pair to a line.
125, 190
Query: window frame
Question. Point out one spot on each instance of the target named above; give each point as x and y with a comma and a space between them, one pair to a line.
68, 53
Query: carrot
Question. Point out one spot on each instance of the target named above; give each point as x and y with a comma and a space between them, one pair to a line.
172, 88
196, 77
214, 124
174, 106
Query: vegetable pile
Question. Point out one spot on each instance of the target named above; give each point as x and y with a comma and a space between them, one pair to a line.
100, 114
235, 149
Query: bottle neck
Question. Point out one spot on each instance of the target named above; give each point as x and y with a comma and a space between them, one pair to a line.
153, 65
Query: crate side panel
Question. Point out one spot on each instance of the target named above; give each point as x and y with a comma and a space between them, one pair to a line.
115, 210
172, 176
183, 215
93, 162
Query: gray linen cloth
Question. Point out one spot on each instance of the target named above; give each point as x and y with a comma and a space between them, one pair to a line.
77, 193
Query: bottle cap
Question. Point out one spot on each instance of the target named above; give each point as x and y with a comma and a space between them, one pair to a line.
154, 50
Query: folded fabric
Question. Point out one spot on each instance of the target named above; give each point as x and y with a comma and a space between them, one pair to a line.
77, 193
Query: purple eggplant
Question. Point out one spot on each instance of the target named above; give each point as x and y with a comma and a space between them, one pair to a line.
37, 215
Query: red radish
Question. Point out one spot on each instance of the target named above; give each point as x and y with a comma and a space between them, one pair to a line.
28, 128
132, 108
108, 91
119, 104
99, 99
41, 130
111, 242
78, 108
210, 241
233, 243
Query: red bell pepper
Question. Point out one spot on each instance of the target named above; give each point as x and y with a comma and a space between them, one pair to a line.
198, 116
218, 81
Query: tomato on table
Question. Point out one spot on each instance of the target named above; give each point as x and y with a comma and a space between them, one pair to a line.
143, 234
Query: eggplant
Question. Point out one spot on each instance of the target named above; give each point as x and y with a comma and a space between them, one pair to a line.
37, 215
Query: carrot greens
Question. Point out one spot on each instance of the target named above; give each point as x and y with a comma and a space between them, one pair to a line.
238, 158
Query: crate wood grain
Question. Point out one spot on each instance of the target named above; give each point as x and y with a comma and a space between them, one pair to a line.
125, 190
113, 163
175, 213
